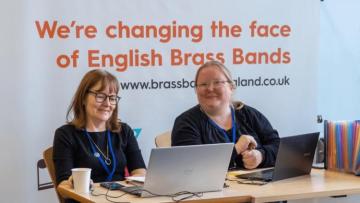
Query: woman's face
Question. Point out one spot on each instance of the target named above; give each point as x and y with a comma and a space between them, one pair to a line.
99, 112
213, 89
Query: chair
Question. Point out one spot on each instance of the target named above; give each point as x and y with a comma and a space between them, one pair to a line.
48, 158
42, 186
163, 140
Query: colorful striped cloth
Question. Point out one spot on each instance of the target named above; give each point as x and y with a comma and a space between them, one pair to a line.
342, 140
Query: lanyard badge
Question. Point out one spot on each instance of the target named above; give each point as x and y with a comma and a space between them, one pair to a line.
233, 127
101, 160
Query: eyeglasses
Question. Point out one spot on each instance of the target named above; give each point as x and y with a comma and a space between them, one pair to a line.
101, 97
215, 83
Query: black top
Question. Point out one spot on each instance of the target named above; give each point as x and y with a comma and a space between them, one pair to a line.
72, 150
193, 127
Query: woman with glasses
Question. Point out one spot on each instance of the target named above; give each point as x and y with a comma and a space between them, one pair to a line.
94, 137
218, 119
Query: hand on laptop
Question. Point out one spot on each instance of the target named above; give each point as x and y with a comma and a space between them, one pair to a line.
244, 143
251, 158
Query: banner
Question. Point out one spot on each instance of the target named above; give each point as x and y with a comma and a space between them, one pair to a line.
154, 48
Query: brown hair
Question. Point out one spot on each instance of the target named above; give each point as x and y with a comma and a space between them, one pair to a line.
219, 66
77, 106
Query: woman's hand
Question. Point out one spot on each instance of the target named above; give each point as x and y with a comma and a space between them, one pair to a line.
251, 158
244, 143
70, 182
138, 172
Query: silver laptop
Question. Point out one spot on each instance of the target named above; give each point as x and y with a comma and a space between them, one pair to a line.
194, 168
294, 158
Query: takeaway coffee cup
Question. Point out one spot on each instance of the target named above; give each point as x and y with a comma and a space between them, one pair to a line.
81, 178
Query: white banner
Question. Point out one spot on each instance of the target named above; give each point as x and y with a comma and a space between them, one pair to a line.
154, 48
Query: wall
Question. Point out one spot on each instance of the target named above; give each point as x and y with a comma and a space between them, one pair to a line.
339, 68
339, 60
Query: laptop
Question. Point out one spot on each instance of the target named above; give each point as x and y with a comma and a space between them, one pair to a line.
193, 168
294, 158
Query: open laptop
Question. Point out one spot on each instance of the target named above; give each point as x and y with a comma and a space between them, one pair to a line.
194, 168
294, 158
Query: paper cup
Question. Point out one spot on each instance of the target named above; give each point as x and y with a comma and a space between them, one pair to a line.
81, 177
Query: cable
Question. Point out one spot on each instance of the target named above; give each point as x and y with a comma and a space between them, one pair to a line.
174, 197
107, 196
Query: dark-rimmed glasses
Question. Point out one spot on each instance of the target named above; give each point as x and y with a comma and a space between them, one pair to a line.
101, 97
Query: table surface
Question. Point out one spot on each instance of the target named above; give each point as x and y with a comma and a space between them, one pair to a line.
320, 183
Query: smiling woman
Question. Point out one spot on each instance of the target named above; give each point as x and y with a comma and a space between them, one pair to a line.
94, 137
218, 119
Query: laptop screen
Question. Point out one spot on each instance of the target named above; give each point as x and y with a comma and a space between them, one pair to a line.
194, 168
294, 158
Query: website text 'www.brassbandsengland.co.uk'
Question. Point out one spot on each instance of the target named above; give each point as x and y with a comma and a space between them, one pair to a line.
183, 83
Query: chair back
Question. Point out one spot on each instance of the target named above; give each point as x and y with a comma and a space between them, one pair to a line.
163, 140
48, 158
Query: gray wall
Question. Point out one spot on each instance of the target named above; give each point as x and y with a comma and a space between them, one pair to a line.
339, 60
339, 68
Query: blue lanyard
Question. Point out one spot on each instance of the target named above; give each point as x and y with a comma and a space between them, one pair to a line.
233, 127
101, 160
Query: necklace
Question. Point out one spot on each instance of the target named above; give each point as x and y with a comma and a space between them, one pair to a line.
106, 165
96, 154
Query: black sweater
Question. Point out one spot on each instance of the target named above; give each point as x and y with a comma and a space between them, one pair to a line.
72, 150
193, 127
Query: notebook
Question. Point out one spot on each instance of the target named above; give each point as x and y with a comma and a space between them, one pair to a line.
294, 158
194, 168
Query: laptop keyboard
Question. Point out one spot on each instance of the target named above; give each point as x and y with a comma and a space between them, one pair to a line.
265, 175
